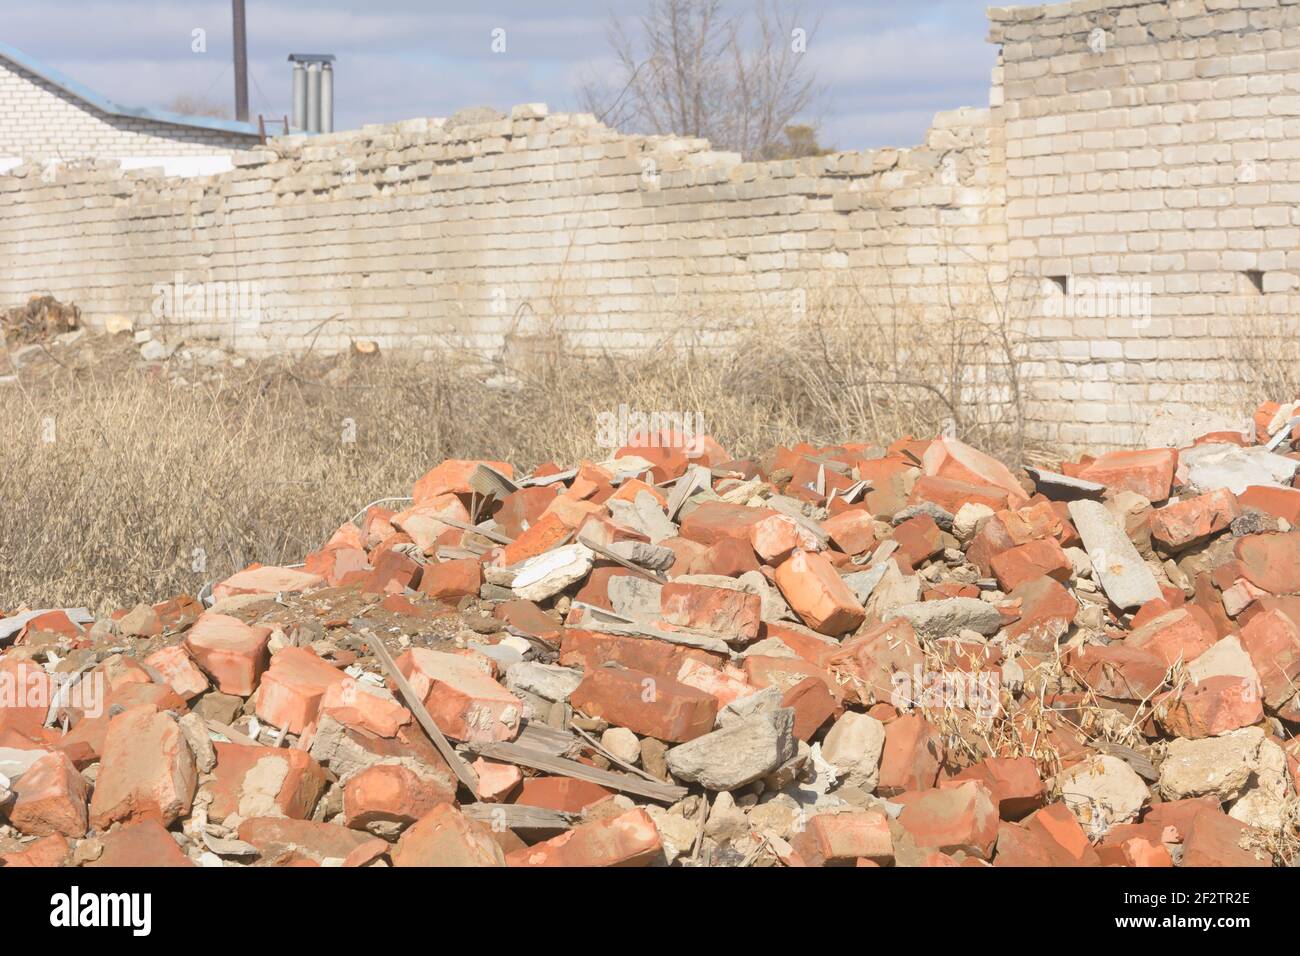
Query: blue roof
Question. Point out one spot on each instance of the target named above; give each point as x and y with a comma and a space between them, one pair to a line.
105, 105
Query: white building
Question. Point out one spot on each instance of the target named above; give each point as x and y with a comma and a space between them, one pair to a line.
48, 118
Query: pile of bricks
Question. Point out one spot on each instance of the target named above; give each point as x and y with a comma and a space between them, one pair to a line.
848, 655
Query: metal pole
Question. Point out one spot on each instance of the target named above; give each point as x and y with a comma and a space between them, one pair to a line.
241, 61
326, 98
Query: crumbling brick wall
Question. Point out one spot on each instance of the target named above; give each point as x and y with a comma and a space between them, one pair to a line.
427, 233
40, 121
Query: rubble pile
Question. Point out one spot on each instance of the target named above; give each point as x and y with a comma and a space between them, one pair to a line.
853, 655
42, 318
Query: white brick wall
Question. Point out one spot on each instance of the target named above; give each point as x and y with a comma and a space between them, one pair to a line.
40, 121
1146, 152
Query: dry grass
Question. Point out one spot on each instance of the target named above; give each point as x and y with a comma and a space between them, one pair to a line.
120, 485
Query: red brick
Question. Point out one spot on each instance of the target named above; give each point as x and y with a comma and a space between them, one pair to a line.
423, 521
725, 685
630, 839
776, 536
1272, 641
1046, 612
1194, 520
251, 781
393, 573
919, 539
813, 705
338, 566
730, 558
913, 752
647, 704
142, 844
291, 690
1014, 783
1150, 472
1182, 634
1271, 561
462, 699
817, 593
853, 532
841, 839
1117, 671
1278, 502
50, 797
546, 533
527, 617
950, 495
496, 781
445, 837
259, 579
960, 817
561, 793
950, 458
866, 663
521, 509
1030, 561
51, 851
629, 490
357, 705
393, 794
233, 654
712, 521
1051, 836
729, 614
452, 580
668, 462
591, 649
452, 476
1214, 706
53, 622
147, 771
179, 671
1214, 839
25, 695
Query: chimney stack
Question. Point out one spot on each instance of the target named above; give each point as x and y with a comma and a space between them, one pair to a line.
313, 92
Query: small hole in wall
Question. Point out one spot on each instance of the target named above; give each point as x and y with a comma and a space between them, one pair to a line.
1256, 279
1062, 283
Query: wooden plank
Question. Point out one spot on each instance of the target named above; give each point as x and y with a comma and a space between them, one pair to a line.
495, 536
514, 816
683, 636
609, 555
464, 773
230, 733
1139, 761
539, 736
623, 782
594, 744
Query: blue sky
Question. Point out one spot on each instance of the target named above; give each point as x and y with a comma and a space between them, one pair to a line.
886, 65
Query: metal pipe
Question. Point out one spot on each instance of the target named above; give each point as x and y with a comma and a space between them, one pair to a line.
299, 97
313, 97
326, 98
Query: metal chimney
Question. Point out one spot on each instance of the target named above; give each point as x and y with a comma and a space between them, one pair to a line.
313, 92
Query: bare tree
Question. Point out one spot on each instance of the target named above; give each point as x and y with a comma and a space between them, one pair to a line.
687, 67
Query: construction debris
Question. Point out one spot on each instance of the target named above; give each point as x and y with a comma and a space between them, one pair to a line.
846, 655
